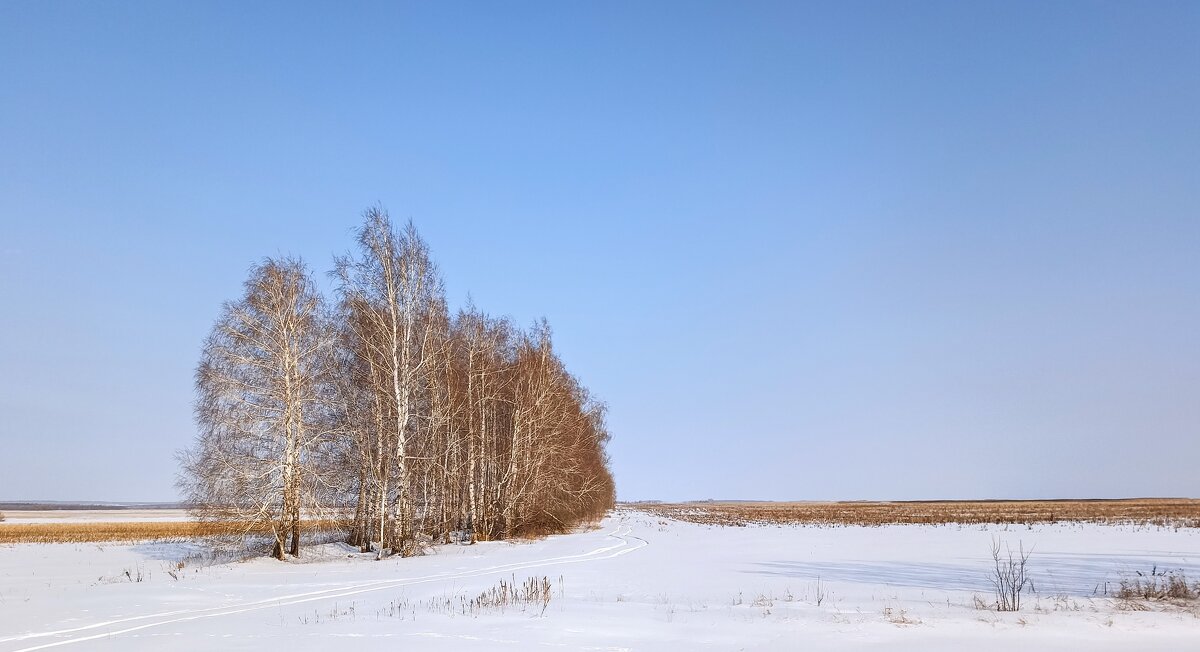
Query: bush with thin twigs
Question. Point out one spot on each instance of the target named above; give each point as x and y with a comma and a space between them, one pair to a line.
1009, 575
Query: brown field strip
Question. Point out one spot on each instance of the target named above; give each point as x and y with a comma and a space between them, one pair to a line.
1167, 512
133, 531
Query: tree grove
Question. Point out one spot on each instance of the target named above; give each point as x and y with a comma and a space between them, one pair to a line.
406, 423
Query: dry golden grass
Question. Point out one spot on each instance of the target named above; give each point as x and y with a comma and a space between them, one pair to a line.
1170, 585
1169, 512
132, 531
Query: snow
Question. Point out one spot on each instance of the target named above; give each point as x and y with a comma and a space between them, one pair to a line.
637, 583
41, 516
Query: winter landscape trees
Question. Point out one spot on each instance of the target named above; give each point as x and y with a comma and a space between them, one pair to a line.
411, 425
263, 388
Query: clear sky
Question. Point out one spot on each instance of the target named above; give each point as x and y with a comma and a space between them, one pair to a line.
804, 251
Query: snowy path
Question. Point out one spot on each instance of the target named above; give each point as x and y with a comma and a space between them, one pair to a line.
624, 544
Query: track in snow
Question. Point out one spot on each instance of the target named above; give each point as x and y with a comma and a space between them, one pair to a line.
625, 545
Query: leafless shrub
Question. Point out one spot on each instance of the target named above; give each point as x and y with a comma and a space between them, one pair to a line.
1009, 576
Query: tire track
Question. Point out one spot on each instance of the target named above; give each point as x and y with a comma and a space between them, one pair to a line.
623, 546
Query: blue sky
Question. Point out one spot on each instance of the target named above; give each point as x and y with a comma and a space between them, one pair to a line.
804, 251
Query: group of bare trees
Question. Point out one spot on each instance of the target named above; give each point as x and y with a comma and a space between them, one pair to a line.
385, 412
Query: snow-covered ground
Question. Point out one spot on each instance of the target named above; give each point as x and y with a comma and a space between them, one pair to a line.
638, 582
33, 516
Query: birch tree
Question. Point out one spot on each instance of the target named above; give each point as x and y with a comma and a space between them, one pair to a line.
263, 390
387, 292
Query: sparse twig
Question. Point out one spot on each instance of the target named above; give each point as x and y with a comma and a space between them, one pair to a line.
1009, 576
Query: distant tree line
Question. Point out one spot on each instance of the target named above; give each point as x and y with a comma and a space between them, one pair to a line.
407, 423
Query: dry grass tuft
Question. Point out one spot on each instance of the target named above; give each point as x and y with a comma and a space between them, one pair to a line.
531, 596
534, 592
1159, 585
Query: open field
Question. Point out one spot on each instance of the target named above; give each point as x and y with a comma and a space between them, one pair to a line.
92, 515
71, 526
1166, 512
641, 581
74, 531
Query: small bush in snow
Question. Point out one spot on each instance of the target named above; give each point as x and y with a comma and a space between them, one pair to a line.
1009, 576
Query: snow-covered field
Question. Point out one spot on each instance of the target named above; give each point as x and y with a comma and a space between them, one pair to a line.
35, 516
638, 582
